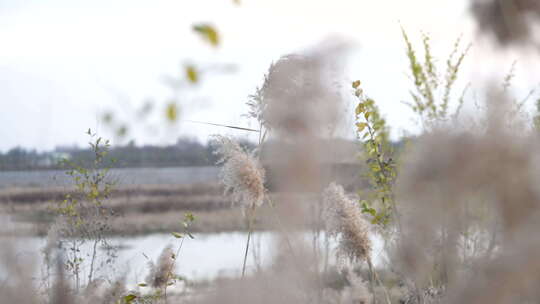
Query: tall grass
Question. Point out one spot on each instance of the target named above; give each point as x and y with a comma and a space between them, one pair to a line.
457, 210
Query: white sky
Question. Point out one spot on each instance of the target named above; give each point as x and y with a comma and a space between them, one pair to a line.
63, 62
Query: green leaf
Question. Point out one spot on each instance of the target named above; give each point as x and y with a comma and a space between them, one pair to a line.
367, 209
364, 205
208, 32
142, 285
189, 217
107, 117
360, 126
129, 298
369, 102
121, 131
177, 235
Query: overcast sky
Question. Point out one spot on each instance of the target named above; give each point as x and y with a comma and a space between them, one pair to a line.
64, 62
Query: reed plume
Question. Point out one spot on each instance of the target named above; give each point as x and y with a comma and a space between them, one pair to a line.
242, 174
344, 220
160, 273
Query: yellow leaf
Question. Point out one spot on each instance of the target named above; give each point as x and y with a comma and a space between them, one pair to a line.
177, 235
359, 109
208, 32
356, 84
192, 74
172, 112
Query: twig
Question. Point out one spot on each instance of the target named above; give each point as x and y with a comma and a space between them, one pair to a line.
225, 126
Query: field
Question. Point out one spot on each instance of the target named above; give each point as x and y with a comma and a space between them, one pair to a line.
141, 208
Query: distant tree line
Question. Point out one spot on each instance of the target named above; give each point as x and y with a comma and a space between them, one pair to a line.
186, 152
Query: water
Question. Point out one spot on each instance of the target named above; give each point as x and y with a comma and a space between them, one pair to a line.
124, 176
206, 257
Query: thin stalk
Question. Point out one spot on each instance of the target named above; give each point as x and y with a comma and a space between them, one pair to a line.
224, 126
296, 265
271, 203
75, 265
316, 250
169, 272
92, 262
251, 211
251, 214
371, 280
96, 241
374, 276
245, 253
326, 252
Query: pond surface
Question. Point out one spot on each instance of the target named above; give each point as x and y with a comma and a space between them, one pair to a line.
206, 257
124, 176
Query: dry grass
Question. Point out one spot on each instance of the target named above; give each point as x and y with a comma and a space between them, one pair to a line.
147, 209
36, 195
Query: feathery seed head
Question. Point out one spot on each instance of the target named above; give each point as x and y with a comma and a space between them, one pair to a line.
242, 174
159, 274
344, 220
295, 100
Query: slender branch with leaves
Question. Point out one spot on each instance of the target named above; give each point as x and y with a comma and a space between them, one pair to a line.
82, 216
371, 129
432, 91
